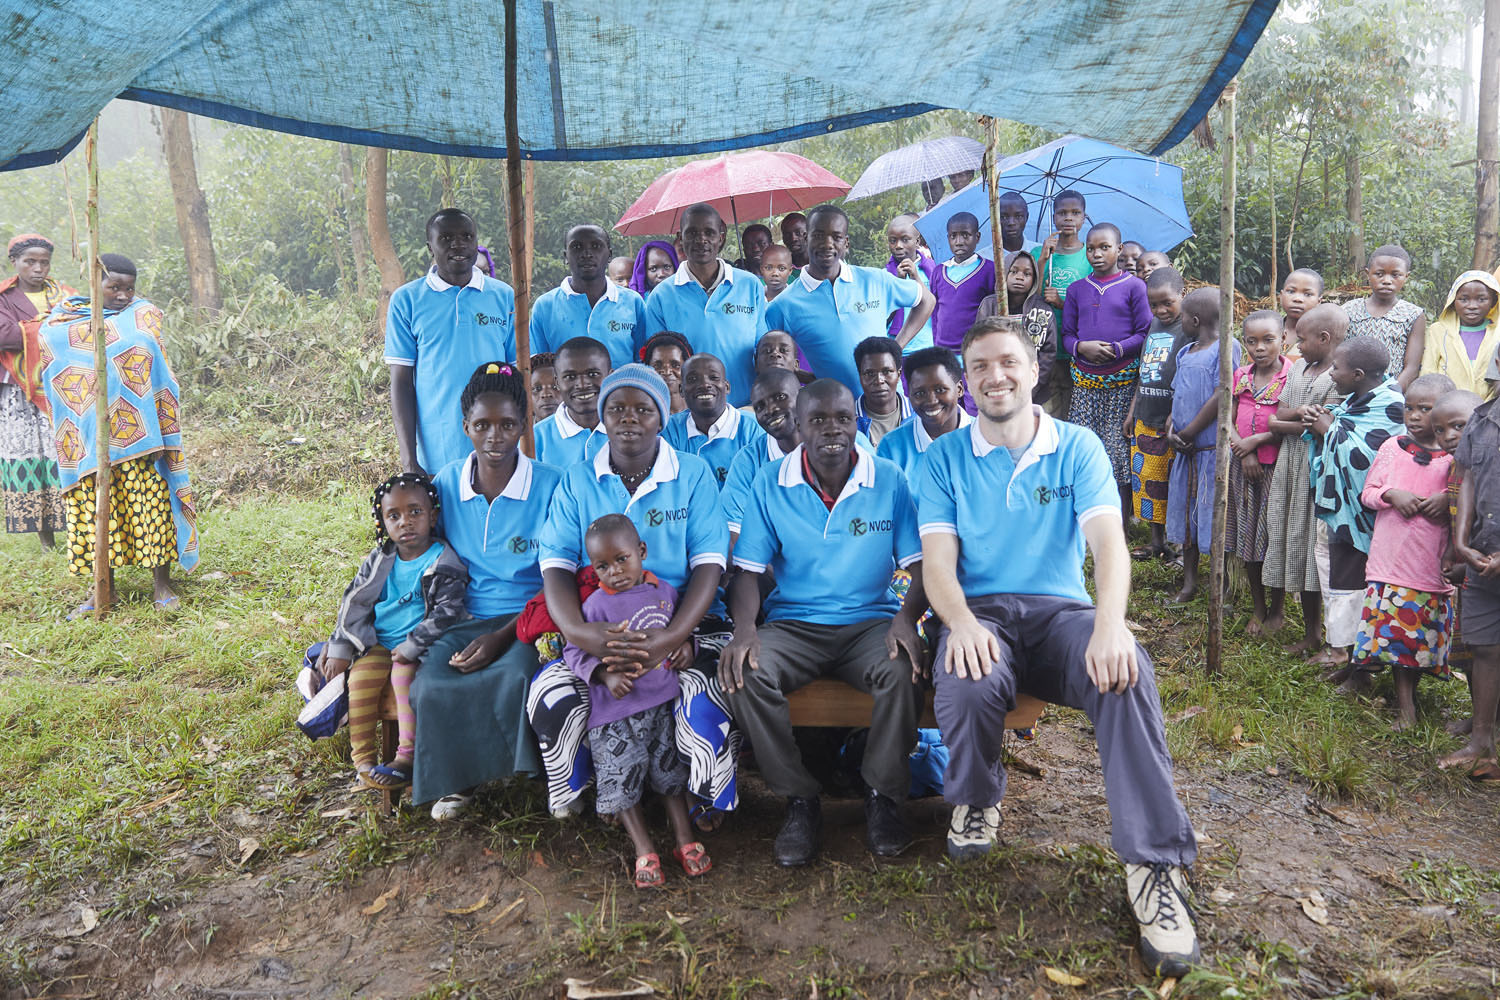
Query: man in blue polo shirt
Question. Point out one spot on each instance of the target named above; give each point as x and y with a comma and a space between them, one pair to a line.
831, 523
832, 305
719, 309
710, 428
573, 433
588, 304
774, 400
1006, 508
438, 329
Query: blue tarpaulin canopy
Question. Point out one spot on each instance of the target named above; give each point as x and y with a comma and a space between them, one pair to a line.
627, 79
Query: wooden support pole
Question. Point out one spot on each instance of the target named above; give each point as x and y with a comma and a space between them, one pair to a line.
1227, 337
103, 591
519, 219
997, 242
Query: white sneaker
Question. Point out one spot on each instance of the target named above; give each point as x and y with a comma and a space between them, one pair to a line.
973, 831
1159, 897
451, 806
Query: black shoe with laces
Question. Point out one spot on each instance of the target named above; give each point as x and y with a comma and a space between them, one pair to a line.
797, 842
884, 831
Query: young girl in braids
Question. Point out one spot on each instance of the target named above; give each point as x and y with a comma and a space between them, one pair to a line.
407, 592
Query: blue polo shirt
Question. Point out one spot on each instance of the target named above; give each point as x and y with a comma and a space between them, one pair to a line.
676, 512
1019, 523
444, 332
735, 492
498, 540
725, 321
727, 436
907, 446
832, 567
828, 318
616, 320
561, 442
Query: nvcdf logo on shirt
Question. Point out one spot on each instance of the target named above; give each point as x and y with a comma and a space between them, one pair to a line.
520, 546
859, 526
656, 517
1046, 494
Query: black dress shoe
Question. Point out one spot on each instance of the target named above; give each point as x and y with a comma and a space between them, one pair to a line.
797, 843
884, 831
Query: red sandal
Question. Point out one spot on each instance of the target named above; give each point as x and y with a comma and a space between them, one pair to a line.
648, 872
694, 859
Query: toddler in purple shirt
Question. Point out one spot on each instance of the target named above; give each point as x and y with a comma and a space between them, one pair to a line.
630, 719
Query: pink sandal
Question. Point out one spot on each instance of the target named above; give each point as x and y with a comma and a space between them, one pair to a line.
648, 872
694, 859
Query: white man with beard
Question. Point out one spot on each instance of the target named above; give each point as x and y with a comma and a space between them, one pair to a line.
720, 309
588, 303
831, 523
1007, 506
438, 329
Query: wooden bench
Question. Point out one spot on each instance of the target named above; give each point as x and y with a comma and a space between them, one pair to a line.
829, 702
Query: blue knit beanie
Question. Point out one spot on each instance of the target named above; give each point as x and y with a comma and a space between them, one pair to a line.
637, 376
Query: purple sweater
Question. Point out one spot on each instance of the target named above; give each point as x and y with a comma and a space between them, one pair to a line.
648, 606
928, 267
1113, 310
957, 303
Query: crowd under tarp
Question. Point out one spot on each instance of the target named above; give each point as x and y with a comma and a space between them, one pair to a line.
629, 79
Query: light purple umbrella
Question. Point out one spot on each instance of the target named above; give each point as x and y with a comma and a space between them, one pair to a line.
921, 161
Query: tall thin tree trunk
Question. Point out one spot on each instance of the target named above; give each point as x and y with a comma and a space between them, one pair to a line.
1354, 208
192, 212
1466, 61
358, 242
378, 221
1271, 188
1487, 149
1291, 225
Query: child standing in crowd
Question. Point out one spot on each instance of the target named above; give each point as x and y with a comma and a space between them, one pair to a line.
1192, 430
1130, 256
1105, 320
1390, 319
961, 283
1256, 391
1406, 621
1149, 262
1025, 302
1346, 437
1463, 342
1301, 291
667, 353
1063, 261
618, 271
545, 397
1449, 418
1145, 424
1291, 527
407, 592
775, 269
630, 710
909, 259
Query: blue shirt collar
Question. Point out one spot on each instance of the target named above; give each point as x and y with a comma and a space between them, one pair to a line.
476, 280
611, 290
846, 273
519, 487
684, 275
861, 476
727, 426
664, 470
1044, 443
923, 440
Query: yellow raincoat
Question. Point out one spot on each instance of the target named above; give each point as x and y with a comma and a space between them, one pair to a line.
1445, 352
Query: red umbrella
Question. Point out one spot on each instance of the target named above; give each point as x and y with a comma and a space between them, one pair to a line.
742, 186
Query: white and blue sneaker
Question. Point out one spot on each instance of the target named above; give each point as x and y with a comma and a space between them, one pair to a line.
973, 831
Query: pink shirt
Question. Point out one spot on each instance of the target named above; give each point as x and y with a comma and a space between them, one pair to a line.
1407, 552
1253, 409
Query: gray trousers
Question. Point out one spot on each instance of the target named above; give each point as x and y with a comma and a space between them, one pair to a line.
1042, 644
792, 655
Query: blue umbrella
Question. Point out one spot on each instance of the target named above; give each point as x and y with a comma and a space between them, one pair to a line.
1140, 194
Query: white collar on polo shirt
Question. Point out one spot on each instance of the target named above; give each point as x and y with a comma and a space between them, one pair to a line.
567, 426
726, 426
663, 470
1045, 442
773, 450
811, 284
862, 475
684, 274
519, 487
476, 280
924, 440
611, 290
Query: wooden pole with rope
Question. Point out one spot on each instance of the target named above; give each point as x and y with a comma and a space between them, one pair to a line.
992, 183
103, 585
1222, 458
520, 250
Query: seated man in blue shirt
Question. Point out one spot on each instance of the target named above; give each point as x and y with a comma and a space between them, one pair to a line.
1006, 507
438, 329
587, 303
709, 428
831, 523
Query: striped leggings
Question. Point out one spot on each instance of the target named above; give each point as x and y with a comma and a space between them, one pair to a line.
367, 678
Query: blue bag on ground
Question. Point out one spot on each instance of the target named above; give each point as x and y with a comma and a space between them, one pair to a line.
327, 703
928, 761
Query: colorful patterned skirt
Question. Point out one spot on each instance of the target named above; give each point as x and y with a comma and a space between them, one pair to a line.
31, 491
1150, 467
1402, 627
141, 529
1100, 403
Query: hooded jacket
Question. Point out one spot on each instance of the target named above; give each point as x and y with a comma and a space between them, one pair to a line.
444, 585
1444, 352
